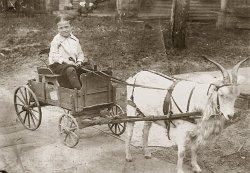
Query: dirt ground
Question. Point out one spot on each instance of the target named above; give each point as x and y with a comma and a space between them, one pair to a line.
127, 49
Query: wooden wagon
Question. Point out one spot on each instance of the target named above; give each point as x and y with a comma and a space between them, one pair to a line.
96, 98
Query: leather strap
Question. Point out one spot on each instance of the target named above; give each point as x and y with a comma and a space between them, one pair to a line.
189, 99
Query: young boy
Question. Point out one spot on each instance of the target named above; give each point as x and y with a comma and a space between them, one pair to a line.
66, 53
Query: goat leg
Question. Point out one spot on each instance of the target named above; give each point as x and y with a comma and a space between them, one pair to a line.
146, 128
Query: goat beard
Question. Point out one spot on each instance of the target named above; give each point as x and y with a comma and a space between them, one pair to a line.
212, 127
212, 123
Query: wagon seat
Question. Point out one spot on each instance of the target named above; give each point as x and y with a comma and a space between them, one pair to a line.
46, 75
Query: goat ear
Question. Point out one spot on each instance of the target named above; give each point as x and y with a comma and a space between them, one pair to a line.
241, 79
218, 83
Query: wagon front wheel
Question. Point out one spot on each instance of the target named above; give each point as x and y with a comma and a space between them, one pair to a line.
27, 107
69, 130
116, 128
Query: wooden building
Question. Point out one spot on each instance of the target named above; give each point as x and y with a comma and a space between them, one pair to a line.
149, 9
199, 9
234, 14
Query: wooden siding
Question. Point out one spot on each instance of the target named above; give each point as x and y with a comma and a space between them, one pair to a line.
199, 9
235, 3
75, 4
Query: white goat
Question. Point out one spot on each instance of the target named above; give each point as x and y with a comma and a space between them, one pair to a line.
215, 101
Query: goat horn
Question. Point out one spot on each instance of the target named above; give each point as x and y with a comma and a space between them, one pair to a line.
224, 72
235, 71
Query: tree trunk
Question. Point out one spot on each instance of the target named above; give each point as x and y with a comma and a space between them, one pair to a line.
223, 5
4, 5
178, 23
29, 8
49, 6
222, 16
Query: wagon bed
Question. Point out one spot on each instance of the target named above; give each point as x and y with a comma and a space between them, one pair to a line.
96, 92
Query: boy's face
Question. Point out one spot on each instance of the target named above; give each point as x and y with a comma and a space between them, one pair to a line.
64, 28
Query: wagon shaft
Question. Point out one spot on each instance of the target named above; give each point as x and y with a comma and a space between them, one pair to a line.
124, 118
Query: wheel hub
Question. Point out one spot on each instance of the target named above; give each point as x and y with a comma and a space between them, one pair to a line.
66, 130
25, 108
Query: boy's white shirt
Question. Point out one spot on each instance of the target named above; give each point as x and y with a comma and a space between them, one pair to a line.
62, 48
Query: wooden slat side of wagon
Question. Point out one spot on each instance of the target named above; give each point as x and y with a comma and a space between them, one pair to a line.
96, 92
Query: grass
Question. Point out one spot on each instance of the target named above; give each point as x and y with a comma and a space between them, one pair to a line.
133, 46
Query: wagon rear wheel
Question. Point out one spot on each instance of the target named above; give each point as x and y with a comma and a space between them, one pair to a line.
27, 107
116, 128
69, 130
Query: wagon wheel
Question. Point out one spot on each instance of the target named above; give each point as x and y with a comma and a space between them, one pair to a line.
27, 107
116, 128
69, 130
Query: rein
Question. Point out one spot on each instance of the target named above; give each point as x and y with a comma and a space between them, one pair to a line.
119, 81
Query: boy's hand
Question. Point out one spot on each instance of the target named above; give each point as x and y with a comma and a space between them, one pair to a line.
79, 64
88, 65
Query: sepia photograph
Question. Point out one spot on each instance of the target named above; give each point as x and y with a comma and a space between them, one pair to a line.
124, 86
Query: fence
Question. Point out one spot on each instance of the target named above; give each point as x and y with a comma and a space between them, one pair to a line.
235, 15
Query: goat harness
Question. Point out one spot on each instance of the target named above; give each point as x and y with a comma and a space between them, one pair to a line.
167, 105
217, 97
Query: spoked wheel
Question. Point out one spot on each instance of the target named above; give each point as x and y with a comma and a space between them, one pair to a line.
116, 128
27, 107
69, 130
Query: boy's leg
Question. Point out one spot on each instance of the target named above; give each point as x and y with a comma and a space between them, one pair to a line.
73, 78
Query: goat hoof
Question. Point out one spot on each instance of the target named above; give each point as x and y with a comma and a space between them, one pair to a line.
129, 160
128, 157
180, 171
147, 155
197, 170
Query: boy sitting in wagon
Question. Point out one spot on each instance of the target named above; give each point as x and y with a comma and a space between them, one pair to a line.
66, 55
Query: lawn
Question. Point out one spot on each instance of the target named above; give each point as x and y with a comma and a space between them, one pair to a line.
134, 46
